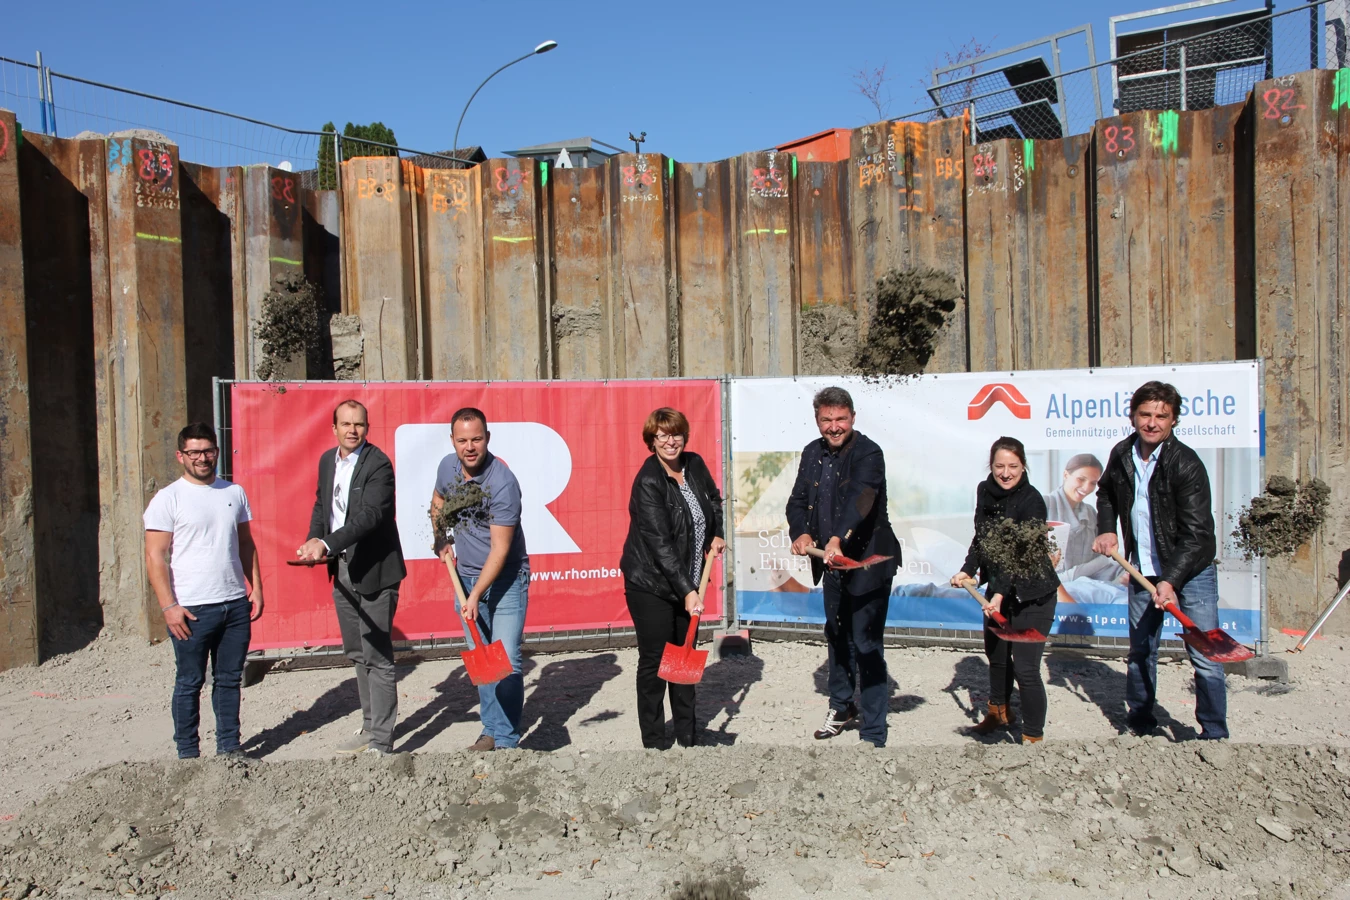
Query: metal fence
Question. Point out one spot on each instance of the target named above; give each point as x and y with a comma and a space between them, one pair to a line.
1040, 90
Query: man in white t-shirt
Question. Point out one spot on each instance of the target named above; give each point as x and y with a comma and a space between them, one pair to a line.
197, 549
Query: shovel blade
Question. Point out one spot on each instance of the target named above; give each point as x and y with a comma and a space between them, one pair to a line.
486, 665
1216, 644
1020, 636
682, 665
846, 564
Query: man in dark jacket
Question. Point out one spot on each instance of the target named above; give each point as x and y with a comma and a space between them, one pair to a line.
838, 504
353, 526
1158, 488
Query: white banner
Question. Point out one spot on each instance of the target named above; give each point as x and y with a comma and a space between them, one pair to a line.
936, 431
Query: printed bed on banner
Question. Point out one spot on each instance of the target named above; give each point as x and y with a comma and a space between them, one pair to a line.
936, 431
574, 447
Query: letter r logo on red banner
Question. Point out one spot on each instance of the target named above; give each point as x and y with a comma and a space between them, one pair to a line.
1006, 394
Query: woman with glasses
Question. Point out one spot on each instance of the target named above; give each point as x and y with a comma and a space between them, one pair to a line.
675, 520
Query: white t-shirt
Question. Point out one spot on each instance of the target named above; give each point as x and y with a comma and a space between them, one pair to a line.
204, 520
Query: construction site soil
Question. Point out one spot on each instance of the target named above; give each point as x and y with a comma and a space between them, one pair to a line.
92, 804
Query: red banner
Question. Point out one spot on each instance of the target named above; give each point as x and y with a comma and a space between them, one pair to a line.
575, 448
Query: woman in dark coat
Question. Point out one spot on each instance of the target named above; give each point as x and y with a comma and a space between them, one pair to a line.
1027, 600
675, 520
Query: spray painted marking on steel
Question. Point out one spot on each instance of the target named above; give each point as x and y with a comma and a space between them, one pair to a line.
4, 139
768, 182
1029, 154
282, 259
158, 237
1168, 122
1340, 95
511, 240
119, 155
543, 173
1118, 139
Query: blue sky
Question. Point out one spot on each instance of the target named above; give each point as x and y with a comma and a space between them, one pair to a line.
705, 80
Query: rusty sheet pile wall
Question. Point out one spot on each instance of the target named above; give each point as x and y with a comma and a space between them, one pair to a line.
131, 279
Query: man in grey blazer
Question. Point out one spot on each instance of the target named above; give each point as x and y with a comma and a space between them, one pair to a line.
353, 527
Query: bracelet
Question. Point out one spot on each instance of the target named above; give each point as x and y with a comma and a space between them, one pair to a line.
167, 608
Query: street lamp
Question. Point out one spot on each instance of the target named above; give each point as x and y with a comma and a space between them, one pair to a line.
542, 48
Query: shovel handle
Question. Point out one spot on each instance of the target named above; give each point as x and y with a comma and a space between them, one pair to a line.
998, 617
691, 637
1148, 586
820, 554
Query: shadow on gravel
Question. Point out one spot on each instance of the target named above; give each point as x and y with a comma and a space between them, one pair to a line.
456, 695
724, 688
898, 702
970, 675
1093, 681
565, 687
339, 701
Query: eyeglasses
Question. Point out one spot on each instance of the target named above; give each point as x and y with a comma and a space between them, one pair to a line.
668, 439
212, 453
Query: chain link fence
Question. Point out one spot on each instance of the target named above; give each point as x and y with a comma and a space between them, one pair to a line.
1054, 87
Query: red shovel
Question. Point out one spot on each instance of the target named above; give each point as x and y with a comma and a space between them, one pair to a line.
485, 665
839, 561
1215, 644
1000, 626
681, 663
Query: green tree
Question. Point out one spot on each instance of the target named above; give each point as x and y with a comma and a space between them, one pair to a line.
377, 132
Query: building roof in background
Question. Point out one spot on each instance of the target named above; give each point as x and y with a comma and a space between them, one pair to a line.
427, 161
575, 145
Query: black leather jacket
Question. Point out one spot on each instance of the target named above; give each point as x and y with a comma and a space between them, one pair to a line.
1023, 503
862, 523
1178, 500
657, 556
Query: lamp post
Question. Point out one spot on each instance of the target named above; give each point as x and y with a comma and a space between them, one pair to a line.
542, 48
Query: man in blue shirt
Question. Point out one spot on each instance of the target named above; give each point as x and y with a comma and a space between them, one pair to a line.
1159, 490
489, 554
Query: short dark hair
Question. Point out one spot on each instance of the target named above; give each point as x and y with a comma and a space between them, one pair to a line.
1083, 461
468, 414
1156, 390
197, 431
1011, 444
357, 403
832, 396
666, 419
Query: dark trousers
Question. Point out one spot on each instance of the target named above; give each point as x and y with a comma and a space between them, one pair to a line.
1009, 661
221, 634
658, 622
366, 622
854, 626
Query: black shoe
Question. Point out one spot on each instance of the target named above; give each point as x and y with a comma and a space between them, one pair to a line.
1141, 727
234, 754
835, 721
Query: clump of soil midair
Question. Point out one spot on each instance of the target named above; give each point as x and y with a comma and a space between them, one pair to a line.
465, 504
1282, 519
289, 325
907, 310
1017, 549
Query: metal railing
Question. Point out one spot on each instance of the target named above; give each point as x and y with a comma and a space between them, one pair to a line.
1031, 97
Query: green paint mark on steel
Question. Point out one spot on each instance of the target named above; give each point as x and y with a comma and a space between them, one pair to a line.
1029, 154
284, 260
1340, 95
1168, 120
158, 237
543, 173
511, 240
670, 168
794, 165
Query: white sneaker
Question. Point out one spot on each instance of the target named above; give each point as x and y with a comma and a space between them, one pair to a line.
353, 746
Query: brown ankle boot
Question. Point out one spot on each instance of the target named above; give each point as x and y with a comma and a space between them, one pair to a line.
997, 718
1028, 739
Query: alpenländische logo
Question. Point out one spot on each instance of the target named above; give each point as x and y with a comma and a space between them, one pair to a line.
1006, 394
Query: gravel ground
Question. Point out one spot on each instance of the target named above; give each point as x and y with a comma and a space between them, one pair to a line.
92, 802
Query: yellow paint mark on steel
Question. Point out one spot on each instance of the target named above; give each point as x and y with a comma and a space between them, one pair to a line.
511, 240
158, 237
282, 259
765, 231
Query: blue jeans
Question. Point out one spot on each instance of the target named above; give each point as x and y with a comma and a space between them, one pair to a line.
854, 630
1199, 599
222, 632
501, 617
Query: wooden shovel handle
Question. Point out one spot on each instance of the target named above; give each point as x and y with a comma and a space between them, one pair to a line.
1148, 586
707, 573
820, 554
998, 617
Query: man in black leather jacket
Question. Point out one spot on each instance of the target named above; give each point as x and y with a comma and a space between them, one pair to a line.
1159, 490
838, 504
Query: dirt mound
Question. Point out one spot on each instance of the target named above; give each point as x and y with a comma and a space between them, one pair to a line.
1114, 818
